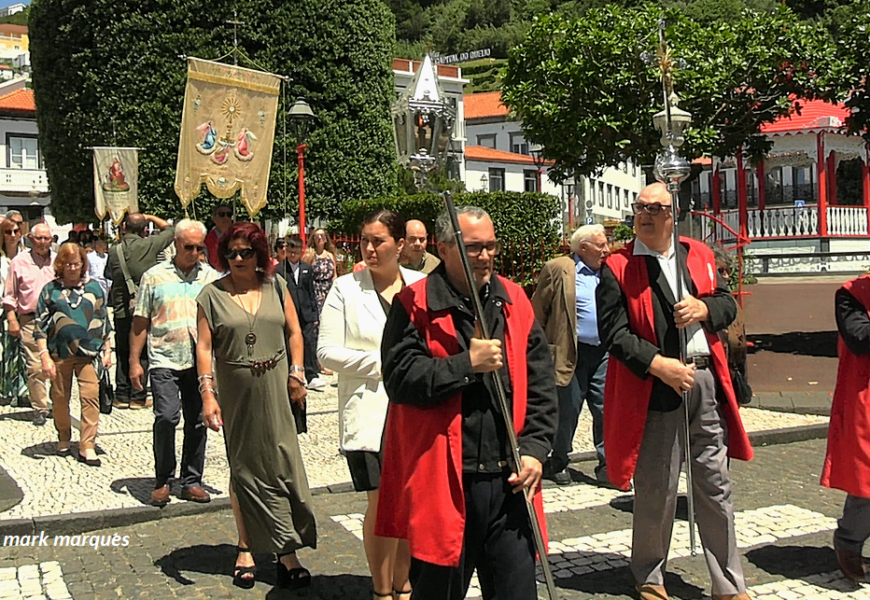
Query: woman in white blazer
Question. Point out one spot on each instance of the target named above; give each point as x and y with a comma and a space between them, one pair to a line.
351, 326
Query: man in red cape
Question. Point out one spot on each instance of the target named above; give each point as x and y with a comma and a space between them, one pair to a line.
448, 483
639, 319
847, 463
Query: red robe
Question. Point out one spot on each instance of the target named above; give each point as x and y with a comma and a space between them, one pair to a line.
847, 462
421, 497
626, 396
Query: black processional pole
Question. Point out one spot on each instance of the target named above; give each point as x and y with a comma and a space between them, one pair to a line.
423, 125
672, 169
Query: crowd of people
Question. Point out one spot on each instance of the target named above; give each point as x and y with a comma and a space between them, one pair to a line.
232, 334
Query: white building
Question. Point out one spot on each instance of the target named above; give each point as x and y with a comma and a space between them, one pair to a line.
498, 153
12, 9
23, 181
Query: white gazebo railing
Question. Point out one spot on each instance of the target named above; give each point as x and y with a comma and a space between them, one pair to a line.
847, 220
794, 222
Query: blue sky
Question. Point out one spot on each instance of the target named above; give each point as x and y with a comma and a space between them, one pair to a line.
5, 3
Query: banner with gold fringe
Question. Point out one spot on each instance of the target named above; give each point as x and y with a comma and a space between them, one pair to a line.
116, 182
227, 133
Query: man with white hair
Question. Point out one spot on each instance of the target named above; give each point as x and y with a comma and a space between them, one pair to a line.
564, 303
28, 274
165, 315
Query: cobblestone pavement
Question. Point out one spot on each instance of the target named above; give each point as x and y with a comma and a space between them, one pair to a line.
784, 525
53, 485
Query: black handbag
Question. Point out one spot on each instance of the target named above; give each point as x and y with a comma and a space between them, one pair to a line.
741, 387
107, 392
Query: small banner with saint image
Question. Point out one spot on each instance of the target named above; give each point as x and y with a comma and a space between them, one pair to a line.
116, 182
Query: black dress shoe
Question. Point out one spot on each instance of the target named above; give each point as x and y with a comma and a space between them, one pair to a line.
91, 462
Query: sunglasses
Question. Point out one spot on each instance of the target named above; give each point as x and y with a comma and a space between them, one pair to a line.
652, 209
244, 254
224, 213
12, 232
192, 247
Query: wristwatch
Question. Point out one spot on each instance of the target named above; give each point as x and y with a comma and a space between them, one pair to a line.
297, 369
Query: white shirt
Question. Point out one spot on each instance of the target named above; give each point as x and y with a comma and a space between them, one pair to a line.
696, 338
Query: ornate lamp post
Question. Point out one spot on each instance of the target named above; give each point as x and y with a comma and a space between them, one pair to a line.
672, 169
301, 116
423, 124
537, 153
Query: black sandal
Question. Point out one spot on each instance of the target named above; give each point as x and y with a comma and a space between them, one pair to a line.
377, 595
397, 593
292, 579
244, 577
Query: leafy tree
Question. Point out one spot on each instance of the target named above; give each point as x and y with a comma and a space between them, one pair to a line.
106, 72
853, 45
582, 90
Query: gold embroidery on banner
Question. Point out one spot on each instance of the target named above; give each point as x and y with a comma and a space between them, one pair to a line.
230, 82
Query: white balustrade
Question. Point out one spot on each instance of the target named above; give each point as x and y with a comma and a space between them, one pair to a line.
32, 181
847, 220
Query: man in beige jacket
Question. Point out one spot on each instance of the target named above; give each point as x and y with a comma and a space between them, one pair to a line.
564, 303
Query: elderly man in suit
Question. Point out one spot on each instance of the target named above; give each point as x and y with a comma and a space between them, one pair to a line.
300, 283
564, 303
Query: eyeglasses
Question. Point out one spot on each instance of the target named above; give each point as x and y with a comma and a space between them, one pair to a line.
77, 265
192, 247
12, 232
319, 236
724, 272
651, 209
224, 213
492, 248
244, 254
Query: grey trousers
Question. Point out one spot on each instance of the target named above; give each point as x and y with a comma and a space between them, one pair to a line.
854, 528
655, 484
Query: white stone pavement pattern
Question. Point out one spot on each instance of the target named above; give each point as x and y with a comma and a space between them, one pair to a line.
54, 485
33, 582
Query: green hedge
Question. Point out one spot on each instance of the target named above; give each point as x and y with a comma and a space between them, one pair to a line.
528, 223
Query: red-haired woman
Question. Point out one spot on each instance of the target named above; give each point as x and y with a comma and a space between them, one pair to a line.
254, 337
72, 331
13, 370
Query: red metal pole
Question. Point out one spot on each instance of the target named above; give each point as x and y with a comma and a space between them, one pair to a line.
832, 179
741, 194
865, 189
300, 160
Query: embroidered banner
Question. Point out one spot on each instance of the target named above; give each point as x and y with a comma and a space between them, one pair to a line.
227, 132
116, 182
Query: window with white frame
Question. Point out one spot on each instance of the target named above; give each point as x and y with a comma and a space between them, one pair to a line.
610, 195
625, 199
23, 152
519, 145
600, 193
487, 141
530, 181
496, 180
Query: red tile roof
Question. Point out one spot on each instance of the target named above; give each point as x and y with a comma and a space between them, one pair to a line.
411, 66
814, 115
20, 101
10, 28
483, 105
484, 154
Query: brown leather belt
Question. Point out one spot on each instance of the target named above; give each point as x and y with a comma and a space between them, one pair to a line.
701, 362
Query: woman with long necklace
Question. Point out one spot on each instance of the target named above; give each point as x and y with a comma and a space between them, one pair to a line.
247, 326
351, 327
72, 332
13, 370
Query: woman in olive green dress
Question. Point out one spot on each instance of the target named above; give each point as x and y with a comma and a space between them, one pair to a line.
241, 323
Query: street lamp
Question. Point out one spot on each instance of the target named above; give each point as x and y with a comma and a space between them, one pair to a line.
484, 182
537, 152
301, 116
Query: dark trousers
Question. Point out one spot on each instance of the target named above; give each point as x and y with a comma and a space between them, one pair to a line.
123, 388
174, 392
498, 542
309, 336
586, 385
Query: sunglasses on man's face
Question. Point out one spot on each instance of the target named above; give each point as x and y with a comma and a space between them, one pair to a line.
224, 213
244, 254
194, 247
